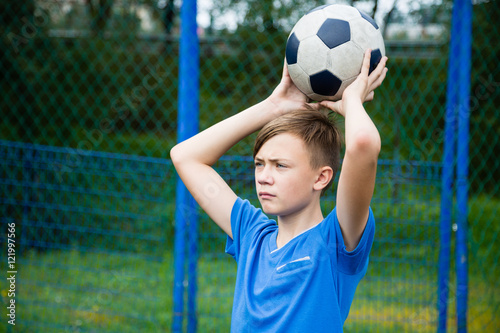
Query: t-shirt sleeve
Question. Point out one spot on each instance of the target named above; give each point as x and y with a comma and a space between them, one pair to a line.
350, 262
246, 221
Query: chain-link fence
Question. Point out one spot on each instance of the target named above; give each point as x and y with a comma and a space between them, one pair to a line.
89, 114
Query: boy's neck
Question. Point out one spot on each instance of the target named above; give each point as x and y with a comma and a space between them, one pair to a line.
294, 224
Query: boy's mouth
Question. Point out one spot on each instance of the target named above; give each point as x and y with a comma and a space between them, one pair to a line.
266, 195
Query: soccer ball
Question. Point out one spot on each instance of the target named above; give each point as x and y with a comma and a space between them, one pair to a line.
325, 49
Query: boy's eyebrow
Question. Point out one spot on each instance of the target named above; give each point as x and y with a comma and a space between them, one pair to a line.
274, 159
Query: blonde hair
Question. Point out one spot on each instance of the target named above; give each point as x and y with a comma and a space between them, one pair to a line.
319, 134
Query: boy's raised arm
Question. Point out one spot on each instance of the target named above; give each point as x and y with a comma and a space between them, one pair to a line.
193, 158
359, 166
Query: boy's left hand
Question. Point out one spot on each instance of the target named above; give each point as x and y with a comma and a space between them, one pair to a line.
363, 87
287, 97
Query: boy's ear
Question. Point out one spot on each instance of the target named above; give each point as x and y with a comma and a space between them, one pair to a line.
324, 176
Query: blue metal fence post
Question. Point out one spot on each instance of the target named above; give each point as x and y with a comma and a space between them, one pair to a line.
187, 126
447, 179
456, 122
461, 266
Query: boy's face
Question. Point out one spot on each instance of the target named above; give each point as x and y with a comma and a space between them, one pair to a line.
284, 178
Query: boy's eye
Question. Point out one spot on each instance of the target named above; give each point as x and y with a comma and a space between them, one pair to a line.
281, 165
258, 164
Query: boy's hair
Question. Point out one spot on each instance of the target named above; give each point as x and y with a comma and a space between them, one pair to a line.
319, 133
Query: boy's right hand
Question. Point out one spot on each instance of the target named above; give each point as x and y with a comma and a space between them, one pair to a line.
363, 88
286, 97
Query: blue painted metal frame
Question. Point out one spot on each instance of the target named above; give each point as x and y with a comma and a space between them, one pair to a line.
456, 122
186, 211
447, 179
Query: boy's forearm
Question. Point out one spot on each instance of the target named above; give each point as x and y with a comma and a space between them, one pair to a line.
209, 145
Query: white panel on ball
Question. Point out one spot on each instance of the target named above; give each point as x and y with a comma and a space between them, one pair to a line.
345, 60
302, 78
342, 12
309, 25
312, 55
366, 35
345, 84
316, 97
379, 41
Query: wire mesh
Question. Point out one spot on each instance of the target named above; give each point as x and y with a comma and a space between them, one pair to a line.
89, 114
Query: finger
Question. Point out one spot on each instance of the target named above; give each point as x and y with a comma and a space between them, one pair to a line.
313, 106
334, 106
365, 67
381, 65
375, 74
378, 82
285, 69
370, 96
328, 104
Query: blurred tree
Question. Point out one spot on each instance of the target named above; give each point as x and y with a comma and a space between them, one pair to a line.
271, 16
100, 11
428, 13
16, 43
267, 15
387, 17
169, 16
15, 12
16, 18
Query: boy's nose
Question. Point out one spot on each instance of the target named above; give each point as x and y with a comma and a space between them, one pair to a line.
265, 177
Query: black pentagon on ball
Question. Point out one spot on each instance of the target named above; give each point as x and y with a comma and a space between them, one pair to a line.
368, 18
375, 58
292, 47
325, 83
334, 32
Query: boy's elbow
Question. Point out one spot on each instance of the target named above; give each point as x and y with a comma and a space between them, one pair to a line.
366, 143
176, 155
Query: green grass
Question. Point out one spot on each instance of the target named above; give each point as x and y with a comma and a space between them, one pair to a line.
87, 291
77, 291
71, 290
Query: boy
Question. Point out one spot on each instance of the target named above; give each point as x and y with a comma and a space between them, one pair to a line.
299, 275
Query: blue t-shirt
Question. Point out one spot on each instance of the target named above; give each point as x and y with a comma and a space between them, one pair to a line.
305, 286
